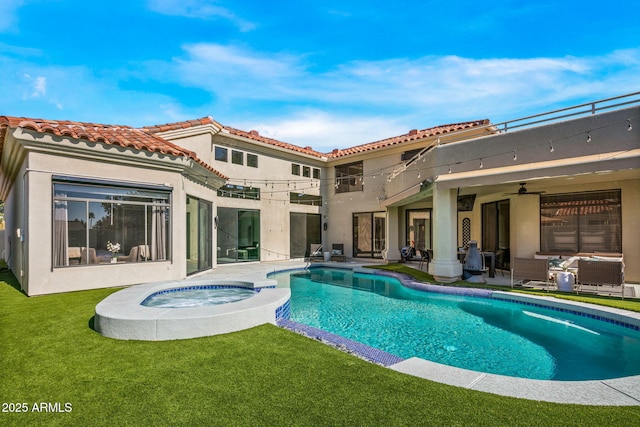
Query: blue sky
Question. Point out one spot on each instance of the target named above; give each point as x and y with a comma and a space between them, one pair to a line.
329, 74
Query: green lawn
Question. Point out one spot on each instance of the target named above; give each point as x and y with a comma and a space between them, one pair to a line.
263, 376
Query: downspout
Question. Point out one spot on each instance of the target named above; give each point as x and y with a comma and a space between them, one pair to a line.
20, 232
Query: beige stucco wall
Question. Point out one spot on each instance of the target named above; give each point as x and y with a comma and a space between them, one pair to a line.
273, 177
36, 273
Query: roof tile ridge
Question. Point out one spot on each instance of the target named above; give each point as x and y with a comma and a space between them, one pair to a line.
412, 134
185, 124
255, 135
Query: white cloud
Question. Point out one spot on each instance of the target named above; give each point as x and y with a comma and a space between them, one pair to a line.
199, 9
36, 86
420, 93
447, 81
324, 132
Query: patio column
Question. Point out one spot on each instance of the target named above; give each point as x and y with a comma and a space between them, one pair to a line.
393, 235
445, 266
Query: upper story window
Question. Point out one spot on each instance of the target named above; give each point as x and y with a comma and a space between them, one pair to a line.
305, 199
408, 155
316, 173
295, 169
306, 171
94, 222
239, 192
349, 177
237, 157
252, 160
581, 222
221, 154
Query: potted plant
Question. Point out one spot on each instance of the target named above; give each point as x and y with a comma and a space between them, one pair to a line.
114, 248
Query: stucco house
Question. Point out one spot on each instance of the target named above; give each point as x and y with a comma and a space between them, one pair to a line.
183, 198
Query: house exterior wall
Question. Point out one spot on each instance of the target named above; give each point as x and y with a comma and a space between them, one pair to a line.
32, 259
273, 177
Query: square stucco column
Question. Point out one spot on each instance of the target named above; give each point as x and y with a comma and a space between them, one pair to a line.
445, 266
393, 234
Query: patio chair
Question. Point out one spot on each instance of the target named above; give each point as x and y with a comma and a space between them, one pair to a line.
137, 254
530, 271
337, 252
503, 260
425, 256
88, 256
600, 273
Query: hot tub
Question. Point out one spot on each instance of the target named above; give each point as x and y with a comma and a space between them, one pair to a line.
122, 315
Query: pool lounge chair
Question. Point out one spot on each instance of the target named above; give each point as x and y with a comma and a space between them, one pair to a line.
315, 252
337, 252
530, 272
600, 273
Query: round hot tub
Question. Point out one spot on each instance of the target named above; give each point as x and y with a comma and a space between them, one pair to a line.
190, 309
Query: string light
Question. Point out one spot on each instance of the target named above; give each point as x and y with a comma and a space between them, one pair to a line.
401, 167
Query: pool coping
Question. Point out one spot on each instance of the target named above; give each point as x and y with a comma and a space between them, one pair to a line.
611, 392
121, 316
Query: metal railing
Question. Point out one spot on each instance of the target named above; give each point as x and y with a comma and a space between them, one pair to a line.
588, 108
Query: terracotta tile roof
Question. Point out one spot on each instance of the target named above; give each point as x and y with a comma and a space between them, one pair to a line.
182, 125
257, 137
411, 136
233, 131
254, 135
124, 136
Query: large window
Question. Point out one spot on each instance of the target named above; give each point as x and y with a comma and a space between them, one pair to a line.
349, 177
369, 234
100, 223
305, 231
198, 226
581, 222
238, 235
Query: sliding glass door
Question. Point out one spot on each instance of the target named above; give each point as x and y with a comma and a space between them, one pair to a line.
199, 235
305, 230
369, 234
238, 235
419, 229
495, 226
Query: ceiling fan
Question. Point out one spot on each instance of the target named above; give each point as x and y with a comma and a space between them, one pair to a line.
522, 191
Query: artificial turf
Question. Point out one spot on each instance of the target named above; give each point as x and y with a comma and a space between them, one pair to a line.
265, 376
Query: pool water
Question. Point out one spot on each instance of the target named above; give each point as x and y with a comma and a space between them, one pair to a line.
480, 334
197, 296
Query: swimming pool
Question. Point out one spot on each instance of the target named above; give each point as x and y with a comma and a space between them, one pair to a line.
482, 333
